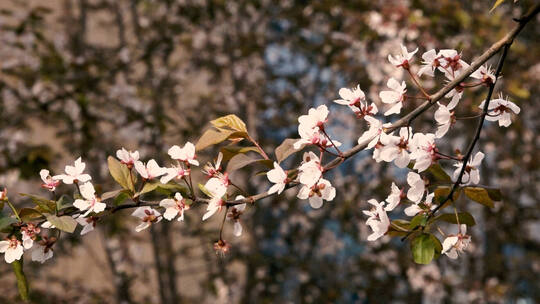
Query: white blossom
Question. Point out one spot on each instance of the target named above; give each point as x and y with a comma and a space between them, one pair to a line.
88, 223
150, 170
41, 253
322, 190
472, 173
29, 233
217, 190
12, 249
376, 127
74, 173
457, 243
174, 207
423, 150
394, 97
444, 119
415, 208
395, 148
91, 203
310, 171
277, 176
430, 62
378, 220
403, 58
126, 157
485, 74
394, 198
175, 172
147, 216
48, 182
212, 169
500, 110
417, 187
185, 154
234, 215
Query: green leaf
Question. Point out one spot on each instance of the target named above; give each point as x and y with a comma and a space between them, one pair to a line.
438, 245
45, 205
419, 220
204, 190
231, 122
241, 160
122, 196
285, 149
230, 151
212, 137
398, 228
65, 223
5, 223
479, 195
423, 248
442, 192
438, 173
494, 194
120, 173
29, 214
110, 194
64, 202
497, 3
148, 187
464, 218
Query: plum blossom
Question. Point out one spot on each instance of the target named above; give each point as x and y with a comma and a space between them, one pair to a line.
313, 136
173, 207
127, 158
88, 223
234, 215
500, 110
316, 117
376, 128
352, 98
485, 74
147, 216
74, 174
403, 59
322, 190
279, 177
394, 97
91, 202
378, 220
310, 171
177, 172
451, 63
29, 234
41, 253
395, 148
311, 129
150, 170
472, 173
12, 249
216, 190
424, 150
394, 198
355, 99
185, 154
456, 243
48, 182
430, 62
417, 187
415, 208
212, 169
444, 118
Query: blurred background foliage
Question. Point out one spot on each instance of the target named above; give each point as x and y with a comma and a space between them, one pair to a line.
86, 77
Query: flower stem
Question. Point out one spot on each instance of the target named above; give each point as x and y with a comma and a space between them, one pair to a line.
14, 211
22, 283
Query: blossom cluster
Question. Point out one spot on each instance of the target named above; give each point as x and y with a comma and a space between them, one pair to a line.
405, 147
